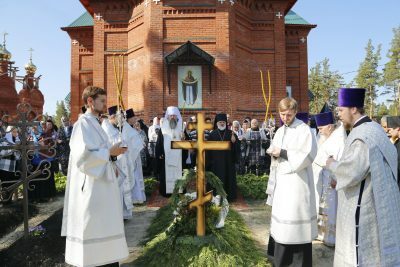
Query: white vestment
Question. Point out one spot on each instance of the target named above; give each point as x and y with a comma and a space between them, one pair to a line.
92, 219
173, 157
326, 196
291, 186
368, 156
138, 193
152, 133
123, 164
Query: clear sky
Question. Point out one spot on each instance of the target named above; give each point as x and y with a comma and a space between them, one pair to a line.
344, 27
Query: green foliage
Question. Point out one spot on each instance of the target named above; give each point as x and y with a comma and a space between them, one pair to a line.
189, 175
369, 77
382, 110
172, 241
61, 111
229, 246
150, 185
323, 83
393, 110
61, 182
391, 72
252, 186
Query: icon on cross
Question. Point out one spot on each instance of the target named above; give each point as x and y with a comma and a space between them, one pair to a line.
201, 146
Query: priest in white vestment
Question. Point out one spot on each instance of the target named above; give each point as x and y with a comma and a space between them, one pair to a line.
92, 219
331, 138
124, 162
169, 161
291, 190
368, 215
135, 145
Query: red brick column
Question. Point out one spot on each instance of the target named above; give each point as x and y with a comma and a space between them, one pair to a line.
303, 71
98, 52
279, 74
75, 90
154, 95
222, 93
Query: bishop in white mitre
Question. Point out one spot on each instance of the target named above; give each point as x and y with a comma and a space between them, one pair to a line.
169, 160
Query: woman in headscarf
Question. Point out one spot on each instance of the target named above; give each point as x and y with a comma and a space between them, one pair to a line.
9, 160
46, 189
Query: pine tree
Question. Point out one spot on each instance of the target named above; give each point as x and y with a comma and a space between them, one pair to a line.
382, 110
392, 110
391, 72
369, 77
323, 83
61, 111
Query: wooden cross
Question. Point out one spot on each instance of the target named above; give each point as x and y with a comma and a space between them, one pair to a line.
201, 146
279, 15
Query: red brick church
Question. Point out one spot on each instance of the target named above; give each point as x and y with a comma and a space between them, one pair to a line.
30, 92
200, 55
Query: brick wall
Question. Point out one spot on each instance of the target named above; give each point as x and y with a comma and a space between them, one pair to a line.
242, 38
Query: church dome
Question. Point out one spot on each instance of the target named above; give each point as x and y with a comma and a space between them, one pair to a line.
37, 95
24, 94
4, 54
30, 67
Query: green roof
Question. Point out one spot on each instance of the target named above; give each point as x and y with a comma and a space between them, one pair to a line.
67, 99
84, 20
292, 18
87, 20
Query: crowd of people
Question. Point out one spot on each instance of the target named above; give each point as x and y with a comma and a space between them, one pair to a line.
334, 178
46, 133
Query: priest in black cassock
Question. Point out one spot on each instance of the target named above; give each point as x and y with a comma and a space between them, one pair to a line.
222, 163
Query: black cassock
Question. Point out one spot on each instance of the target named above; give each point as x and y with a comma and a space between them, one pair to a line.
222, 162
